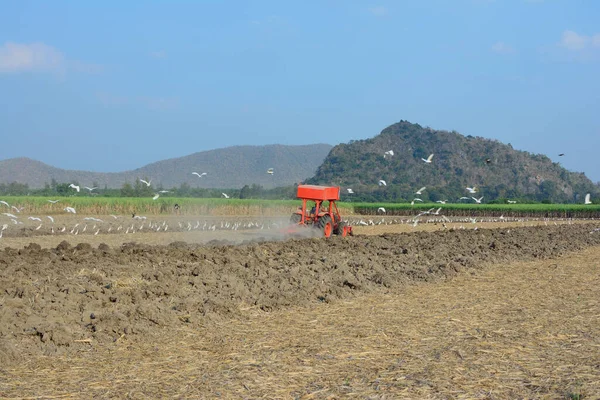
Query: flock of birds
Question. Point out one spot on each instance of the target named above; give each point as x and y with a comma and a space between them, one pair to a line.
98, 224
118, 224
470, 190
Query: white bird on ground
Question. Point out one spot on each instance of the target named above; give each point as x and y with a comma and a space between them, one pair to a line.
35, 219
420, 191
382, 183
472, 190
53, 201
587, 199
478, 201
428, 160
146, 183
5, 203
50, 218
5, 226
511, 201
270, 171
199, 175
225, 195
350, 191
75, 187
156, 196
381, 209
90, 189
388, 153
70, 210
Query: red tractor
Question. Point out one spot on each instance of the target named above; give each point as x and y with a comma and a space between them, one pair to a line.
324, 214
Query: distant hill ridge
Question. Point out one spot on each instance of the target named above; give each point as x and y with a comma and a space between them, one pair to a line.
230, 167
496, 169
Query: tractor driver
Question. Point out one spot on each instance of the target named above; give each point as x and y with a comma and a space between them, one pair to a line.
313, 210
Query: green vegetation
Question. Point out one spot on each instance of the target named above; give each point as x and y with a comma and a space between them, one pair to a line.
221, 206
130, 205
507, 210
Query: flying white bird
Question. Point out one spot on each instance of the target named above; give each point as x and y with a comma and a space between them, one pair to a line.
428, 160
381, 209
74, 187
156, 196
587, 199
147, 183
350, 191
225, 195
417, 199
478, 201
164, 191
270, 171
511, 201
441, 201
465, 198
420, 191
199, 175
90, 189
382, 183
5, 203
50, 218
17, 209
70, 210
35, 219
472, 190
53, 201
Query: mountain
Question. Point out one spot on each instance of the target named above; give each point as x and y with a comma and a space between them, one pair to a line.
496, 169
231, 167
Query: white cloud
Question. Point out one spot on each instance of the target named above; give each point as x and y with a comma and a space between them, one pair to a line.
16, 57
39, 57
573, 41
378, 11
502, 48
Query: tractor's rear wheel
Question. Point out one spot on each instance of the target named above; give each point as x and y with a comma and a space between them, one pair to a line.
340, 229
326, 225
295, 219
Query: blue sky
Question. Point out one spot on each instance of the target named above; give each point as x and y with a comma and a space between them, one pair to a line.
112, 86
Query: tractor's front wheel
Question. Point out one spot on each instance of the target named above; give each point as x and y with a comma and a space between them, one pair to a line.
326, 225
340, 229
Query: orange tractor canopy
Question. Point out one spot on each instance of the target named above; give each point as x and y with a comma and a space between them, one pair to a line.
319, 210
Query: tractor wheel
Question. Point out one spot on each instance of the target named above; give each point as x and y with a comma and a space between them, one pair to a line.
340, 228
295, 219
326, 225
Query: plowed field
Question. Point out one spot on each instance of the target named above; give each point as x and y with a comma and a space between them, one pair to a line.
510, 312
